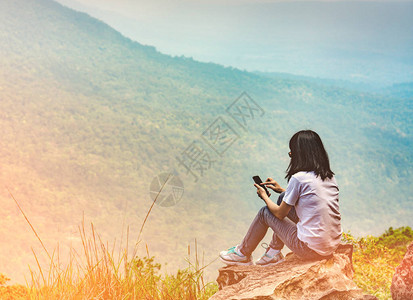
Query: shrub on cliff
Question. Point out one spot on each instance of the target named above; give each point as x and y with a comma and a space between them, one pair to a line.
375, 259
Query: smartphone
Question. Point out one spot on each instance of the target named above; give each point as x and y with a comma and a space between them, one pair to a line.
258, 180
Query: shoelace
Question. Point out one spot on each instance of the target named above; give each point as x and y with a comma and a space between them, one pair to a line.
265, 247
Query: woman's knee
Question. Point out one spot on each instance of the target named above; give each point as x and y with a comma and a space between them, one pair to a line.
263, 210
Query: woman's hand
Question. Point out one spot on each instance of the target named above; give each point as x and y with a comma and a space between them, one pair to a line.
272, 184
261, 192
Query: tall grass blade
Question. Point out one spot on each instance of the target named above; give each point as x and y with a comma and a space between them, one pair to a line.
31, 226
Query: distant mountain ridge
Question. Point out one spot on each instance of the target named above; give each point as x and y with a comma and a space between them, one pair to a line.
367, 42
90, 117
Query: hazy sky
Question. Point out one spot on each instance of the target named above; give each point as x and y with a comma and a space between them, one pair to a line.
360, 40
141, 8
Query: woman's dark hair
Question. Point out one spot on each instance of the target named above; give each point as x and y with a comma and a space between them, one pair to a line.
308, 154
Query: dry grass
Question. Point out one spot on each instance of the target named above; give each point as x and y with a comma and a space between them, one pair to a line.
100, 273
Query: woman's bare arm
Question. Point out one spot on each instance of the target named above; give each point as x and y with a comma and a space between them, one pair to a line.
279, 211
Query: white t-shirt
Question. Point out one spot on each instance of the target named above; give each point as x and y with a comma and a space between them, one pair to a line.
316, 205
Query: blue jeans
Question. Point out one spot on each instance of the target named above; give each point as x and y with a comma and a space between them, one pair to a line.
285, 232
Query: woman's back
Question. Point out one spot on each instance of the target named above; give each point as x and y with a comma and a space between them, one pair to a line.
316, 203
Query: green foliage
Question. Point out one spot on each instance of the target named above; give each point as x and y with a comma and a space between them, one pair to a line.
375, 259
13, 292
396, 239
185, 284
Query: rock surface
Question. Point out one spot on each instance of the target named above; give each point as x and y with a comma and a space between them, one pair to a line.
402, 283
294, 278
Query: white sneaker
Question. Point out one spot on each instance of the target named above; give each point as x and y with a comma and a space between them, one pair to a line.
234, 257
268, 260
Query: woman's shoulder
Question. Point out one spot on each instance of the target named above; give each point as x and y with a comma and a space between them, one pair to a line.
303, 175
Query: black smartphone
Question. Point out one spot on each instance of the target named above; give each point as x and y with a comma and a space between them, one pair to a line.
258, 180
